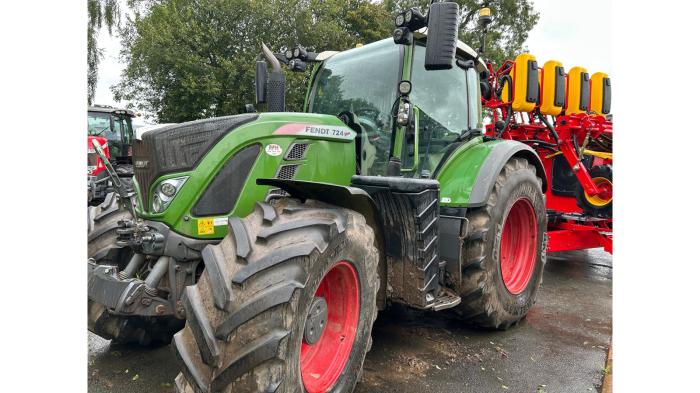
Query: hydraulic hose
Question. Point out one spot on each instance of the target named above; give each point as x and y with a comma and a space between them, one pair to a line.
551, 129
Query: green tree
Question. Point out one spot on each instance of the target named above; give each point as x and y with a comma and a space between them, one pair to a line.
188, 60
99, 12
513, 20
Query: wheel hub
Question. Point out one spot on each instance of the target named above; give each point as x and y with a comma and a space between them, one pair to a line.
315, 321
519, 246
330, 328
604, 195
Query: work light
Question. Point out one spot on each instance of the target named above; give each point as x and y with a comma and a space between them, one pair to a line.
399, 21
165, 191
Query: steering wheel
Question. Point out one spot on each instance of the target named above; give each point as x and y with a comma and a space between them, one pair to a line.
366, 120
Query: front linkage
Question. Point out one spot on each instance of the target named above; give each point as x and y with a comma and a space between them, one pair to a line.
136, 280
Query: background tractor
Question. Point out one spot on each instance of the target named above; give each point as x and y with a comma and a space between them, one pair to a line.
113, 131
278, 236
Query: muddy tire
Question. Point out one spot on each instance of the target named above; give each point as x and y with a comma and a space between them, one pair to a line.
504, 254
596, 206
102, 235
282, 271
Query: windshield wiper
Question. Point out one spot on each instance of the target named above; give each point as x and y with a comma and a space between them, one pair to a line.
101, 131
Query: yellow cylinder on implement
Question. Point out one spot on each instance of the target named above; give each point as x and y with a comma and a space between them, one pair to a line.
578, 91
553, 89
525, 75
600, 93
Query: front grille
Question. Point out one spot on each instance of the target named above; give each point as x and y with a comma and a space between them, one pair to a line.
287, 172
179, 147
296, 152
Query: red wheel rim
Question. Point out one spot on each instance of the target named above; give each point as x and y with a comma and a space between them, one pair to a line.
322, 362
519, 246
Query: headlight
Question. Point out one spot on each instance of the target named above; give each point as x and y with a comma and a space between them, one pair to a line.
165, 192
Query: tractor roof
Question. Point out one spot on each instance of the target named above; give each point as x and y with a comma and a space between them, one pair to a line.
462, 49
111, 109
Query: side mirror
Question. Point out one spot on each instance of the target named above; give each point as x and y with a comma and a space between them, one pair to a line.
440, 48
260, 81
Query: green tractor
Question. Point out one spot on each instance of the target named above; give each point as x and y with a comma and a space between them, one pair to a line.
275, 238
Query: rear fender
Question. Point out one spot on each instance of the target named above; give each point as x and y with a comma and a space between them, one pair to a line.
468, 176
488, 173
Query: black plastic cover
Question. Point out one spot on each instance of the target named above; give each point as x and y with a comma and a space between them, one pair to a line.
409, 210
275, 92
607, 92
559, 86
260, 81
585, 92
222, 193
440, 48
179, 147
533, 86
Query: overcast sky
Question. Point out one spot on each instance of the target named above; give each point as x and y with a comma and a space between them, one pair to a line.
575, 32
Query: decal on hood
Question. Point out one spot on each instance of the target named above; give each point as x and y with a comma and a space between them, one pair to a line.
317, 130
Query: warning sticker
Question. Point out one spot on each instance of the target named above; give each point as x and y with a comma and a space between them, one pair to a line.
205, 226
220, 221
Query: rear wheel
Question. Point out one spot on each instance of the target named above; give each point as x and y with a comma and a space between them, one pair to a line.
597, 205
504, 255
286, 303
102, 237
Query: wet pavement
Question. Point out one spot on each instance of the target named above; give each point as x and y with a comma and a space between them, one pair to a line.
561, 346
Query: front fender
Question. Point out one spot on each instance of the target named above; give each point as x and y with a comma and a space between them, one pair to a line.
352, 198
468, 176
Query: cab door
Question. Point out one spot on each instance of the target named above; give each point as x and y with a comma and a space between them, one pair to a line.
446, 104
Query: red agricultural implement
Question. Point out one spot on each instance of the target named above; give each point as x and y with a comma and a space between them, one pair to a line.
566, 118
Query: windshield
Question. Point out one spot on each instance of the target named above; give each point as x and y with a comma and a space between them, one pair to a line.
362, 82
99, 125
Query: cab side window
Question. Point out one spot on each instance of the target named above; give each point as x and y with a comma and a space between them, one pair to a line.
441, 97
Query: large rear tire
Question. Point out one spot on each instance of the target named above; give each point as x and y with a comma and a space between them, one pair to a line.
504, 255
102, 236
286, 303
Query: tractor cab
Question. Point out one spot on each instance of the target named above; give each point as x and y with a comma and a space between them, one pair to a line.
361, 87
115, 126
111, 128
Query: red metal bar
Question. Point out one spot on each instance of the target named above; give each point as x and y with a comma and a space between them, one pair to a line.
575, 239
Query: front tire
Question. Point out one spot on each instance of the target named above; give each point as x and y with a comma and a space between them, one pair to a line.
286, 303
504, 256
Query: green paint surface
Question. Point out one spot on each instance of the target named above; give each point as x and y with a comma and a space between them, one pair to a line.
326, 160
458, 176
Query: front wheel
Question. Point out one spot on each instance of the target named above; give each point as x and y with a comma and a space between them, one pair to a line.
504, 255
286, 303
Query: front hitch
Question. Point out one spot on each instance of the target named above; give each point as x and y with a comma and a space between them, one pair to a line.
129, 296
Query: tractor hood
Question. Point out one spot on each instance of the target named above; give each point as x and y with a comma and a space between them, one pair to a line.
179, 147
214, 164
